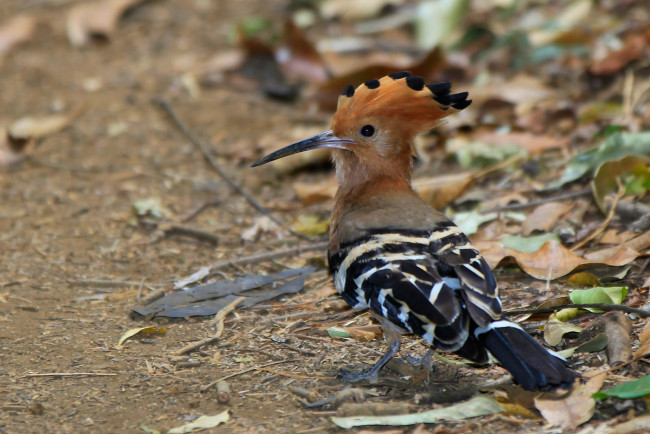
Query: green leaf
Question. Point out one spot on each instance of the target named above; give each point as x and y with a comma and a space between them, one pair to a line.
613, 148
597, 343
338, 332
527, 244
599, 294
629, 390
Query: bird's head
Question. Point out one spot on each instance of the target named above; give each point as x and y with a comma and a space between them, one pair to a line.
374, 126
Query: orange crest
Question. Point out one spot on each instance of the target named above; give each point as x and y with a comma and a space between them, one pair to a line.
399, 103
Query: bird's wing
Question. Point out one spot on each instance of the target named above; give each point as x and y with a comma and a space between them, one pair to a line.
458, 258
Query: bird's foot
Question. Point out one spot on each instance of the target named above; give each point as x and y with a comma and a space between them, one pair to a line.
371, 374
425, 361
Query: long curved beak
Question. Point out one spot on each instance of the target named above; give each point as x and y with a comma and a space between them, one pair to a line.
322, 140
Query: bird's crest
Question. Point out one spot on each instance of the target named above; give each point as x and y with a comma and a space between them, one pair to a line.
401, 101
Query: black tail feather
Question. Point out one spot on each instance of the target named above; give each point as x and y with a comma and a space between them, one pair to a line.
531, 365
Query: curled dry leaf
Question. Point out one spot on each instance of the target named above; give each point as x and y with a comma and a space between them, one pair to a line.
618, 327
576, 408
99, 18
554, 330
15, 31
544, 217
552, 260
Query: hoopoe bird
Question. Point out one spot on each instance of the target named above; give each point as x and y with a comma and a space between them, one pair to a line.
392, 253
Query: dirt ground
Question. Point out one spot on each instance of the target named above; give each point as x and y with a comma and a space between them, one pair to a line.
68, 232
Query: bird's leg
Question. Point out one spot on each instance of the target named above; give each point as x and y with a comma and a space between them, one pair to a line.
426, 360
392, 336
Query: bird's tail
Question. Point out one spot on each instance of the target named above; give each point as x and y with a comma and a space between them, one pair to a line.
531, 365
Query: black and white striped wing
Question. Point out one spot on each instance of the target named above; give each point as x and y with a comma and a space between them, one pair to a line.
425, 282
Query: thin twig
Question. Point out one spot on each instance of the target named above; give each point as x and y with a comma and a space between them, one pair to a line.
603, 306
70, 374
165, 106
518, 206
254, 368
188, 231
253, 259
608, 219
199, 208
217, 334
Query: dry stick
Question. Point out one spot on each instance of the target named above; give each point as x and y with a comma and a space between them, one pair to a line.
518, 206
608, 219
164, 105
199, 208
266, 256
603, 306
254, 368
217, 334
187, 231
70, 374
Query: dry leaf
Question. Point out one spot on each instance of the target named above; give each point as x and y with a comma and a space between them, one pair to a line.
577, 408
15, 31
202, 423
310, 193
552, 260
633, 49
132, 332
260, 226
354, 11
544, 217
617, 328
644, 338
34, 128
299, 58
98, 18
533, 143
439, 191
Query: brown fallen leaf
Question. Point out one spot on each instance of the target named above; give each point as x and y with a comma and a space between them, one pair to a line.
439, 191
299, 59
16, 31
98, 18
633, 49
617, 327
544, 217
364, 333
644, 339
552, 260
576, 408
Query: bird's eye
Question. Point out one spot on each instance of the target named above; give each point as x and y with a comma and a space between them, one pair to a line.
367, 130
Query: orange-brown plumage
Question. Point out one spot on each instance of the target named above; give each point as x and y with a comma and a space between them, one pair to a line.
392, 253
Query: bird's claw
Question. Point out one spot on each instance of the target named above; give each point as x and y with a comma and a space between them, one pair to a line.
353, 377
